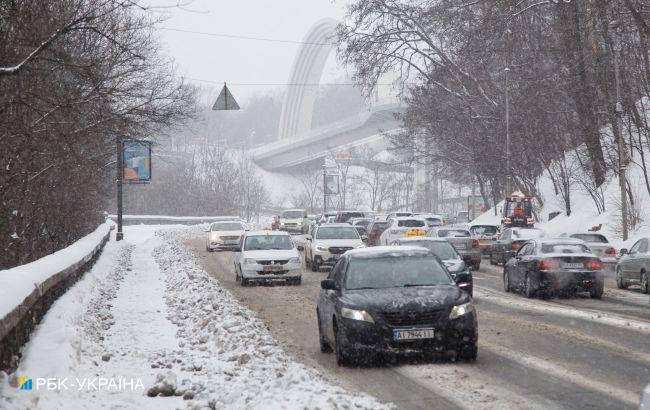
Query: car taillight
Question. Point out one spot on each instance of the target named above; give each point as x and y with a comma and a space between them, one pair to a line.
548, 264
594, 265
515, 245
611, 251
474, 243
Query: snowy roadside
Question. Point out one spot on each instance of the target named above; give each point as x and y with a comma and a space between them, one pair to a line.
148, 312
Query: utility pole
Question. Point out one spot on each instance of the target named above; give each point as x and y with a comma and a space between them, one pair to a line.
508, 172
119, 235
622, 151
324, 190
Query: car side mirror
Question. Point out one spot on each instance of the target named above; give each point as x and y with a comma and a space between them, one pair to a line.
300, 248
624, 251
327, 284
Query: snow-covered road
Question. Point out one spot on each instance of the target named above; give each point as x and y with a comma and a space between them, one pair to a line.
148, 321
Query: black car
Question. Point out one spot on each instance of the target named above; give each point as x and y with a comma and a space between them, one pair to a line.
545, 266
445, 251
394, 300
504, 247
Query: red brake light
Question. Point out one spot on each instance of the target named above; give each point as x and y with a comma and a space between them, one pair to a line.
548, 264
594, 265
611, 251
474, 243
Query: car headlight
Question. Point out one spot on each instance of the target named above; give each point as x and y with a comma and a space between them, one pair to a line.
460, 310
321, 248
214, 236
299, 223
294, 260
356, 315
249, 261
282, 223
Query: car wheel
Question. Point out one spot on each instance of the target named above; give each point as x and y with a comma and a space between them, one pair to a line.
644, 282
296, 281
620, 283
506, 280
468, 353
314, 266
342, 355
597, 291
324, 346
529, 290
245, 282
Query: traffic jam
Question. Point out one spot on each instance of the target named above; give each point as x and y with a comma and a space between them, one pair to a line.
404, 281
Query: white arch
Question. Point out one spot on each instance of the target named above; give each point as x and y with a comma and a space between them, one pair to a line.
298, 105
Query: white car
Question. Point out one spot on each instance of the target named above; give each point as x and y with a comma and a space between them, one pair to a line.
431, 219
224, 235
600, 246
328, 243
265, 256
401, 227
294, 221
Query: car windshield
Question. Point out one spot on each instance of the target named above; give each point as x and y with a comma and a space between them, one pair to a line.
291, 214
590, 237
565, 248
267, 242
433, 221
527, 233
391, 272
453, 233
410, 223
337, 232
483, 230
443, 250
227, 226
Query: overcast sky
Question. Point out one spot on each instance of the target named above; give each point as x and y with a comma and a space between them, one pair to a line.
235, 61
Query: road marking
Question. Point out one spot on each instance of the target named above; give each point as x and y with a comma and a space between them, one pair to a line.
555, 370
609, 319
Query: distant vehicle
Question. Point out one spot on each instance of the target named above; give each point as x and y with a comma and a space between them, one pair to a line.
483, 234
363, 232
360, 222
461, 239
398, 215
634, 266
224, 235
403, 226
511, 239
432, 220
323, 218
365, 308
380, 217
265, 256
546, 266
599, 245
375, 229
328, 243
517, 212
462, 217
445, 251
346, 216
294, 221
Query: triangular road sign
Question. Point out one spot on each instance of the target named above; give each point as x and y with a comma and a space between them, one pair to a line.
225, 101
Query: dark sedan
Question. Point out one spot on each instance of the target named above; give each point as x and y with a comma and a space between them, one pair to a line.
505, 247
394, 300
545, 266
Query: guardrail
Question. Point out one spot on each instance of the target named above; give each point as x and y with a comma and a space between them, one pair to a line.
169, 220
29, 290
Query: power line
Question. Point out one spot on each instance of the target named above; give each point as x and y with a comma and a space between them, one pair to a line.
271, 40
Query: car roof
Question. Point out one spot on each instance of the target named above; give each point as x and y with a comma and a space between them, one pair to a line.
266, 233
408, 218
559, 240
338, 225
588, 233
423, 239
450, 228
382, 251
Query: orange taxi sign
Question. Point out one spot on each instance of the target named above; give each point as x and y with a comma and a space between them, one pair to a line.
415, 232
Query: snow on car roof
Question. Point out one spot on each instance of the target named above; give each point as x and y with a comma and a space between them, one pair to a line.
338, 225
423, 239
379, 251
408, 218
262, 233
561, 240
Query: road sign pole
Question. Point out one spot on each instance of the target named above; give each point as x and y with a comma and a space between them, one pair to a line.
324, 190
119, 235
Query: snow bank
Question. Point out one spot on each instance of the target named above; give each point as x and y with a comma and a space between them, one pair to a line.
18, 283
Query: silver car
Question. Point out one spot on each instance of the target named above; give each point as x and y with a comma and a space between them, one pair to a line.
599, 245
462, 241
634, 266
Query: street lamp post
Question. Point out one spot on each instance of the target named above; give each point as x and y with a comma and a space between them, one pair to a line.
622, 151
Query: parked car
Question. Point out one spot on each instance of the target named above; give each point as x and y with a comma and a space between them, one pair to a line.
328, 243
224, 235
634, 266
483, 234
461, 239
265, 256
432, 220
396, 300
402, 226
346, 216
545, 266
511, 239
445, 251
600, 246
294, 221
375, 229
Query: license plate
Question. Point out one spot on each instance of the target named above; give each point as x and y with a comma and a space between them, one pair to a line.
573, 265
272, 268
413, 334
460, 246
